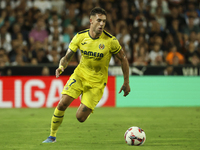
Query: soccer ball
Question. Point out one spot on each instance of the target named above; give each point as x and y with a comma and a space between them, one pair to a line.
135, 136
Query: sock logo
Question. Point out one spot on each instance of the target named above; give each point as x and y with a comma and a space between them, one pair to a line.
55, 121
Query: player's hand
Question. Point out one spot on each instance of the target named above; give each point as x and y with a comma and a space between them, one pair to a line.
126, 88
59, 71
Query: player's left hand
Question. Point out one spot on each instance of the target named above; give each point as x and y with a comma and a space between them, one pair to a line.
126, 88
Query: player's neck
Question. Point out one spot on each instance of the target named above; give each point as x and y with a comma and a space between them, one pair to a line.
93, 34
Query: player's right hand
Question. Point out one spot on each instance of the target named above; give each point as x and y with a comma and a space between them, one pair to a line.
59, 71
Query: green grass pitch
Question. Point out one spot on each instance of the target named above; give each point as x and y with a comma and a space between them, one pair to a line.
165, 128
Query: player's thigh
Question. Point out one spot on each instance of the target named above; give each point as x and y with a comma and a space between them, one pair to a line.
65, 101
91, 97
83, 112
71, 91
73, 87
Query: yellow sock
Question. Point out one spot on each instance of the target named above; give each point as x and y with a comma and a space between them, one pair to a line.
56, 121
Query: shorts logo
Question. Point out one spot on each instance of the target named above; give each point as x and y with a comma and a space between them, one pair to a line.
101, 46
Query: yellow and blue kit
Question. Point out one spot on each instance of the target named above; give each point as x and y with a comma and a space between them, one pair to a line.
90, 76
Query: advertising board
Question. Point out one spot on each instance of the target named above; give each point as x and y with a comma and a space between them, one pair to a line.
43, 91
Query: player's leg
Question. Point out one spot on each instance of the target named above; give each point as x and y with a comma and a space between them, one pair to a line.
58, 115
83, 112
90, 98
71, 90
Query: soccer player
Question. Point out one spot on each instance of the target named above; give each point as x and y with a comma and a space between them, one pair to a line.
90, 76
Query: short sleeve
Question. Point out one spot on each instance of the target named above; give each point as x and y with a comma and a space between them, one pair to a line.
74, 43
115, 46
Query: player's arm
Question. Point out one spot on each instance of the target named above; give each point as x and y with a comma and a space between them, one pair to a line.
64, 61
125, 69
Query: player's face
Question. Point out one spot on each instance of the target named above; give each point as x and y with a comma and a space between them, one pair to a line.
98, 23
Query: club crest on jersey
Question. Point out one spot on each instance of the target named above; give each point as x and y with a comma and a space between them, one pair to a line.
101, 46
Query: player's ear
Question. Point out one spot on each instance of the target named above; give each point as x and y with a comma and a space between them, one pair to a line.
91, 19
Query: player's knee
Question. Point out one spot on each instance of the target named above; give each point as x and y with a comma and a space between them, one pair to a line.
62, 106
81, 119
65, 101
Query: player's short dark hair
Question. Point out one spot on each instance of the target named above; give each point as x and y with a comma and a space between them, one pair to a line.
97, 10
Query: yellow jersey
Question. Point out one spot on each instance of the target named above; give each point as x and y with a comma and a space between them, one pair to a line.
95, 55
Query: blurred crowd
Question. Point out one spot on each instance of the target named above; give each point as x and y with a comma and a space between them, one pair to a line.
152, 32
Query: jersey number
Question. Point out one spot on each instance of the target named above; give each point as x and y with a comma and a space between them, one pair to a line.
71, 82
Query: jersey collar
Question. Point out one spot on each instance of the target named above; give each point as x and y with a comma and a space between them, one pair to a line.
92, 37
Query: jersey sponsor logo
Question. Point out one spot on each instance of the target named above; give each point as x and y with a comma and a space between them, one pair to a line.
92, 54
101, 46
84, 43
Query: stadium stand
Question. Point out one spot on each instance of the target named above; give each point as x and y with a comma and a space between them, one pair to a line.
152, 32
